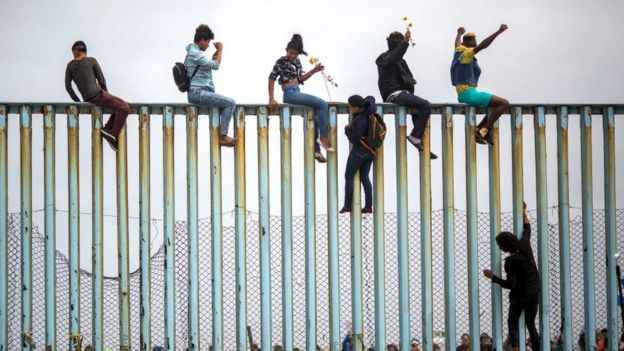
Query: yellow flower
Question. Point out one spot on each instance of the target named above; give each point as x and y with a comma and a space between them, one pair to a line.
313, 60
405, 18
410, 25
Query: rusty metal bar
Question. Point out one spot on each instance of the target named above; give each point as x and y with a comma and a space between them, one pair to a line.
97, 222
169, 228
4, 226
240, 230
50, 225
74, 227
448, 195
144, 229
192, 225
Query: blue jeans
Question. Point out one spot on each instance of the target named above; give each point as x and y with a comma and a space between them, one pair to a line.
359, 160
204, 97
293, 95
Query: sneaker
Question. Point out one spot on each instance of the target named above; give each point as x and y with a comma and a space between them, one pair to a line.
325, 144
319, 157
480, 135
418, 144
345, 209
367, 210
226, 141
112, 141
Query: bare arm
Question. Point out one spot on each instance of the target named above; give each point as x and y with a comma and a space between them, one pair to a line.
488, 41
319, 67
272, 102
460, 32
217, 55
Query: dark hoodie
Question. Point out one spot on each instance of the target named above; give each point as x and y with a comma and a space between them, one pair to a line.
356, 130
522, 275
393, 72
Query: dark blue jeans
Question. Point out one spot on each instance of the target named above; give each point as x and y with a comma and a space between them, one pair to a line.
359, 160
424, 111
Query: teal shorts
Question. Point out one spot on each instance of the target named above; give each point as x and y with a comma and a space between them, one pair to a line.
476, 98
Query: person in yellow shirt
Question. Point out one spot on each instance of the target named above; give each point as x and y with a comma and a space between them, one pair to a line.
465, 72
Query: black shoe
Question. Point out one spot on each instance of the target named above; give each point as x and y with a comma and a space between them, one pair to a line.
489, 137
319, 157
418, 145
479, 138
345, 209
112, 141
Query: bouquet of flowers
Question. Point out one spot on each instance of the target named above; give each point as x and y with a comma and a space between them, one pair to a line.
408, 25
328, 79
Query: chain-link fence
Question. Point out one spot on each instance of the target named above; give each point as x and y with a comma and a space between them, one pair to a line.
111, 307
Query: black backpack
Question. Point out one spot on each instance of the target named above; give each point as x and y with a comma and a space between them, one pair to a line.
376, 132
181, 78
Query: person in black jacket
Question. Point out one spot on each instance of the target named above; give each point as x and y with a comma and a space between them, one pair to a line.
522, 281
361, 156
396, 84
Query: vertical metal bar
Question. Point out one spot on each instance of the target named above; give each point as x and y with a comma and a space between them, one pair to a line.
265, 227
122, 242
241, 231
287, 255
379, 243
588, 229
495, 228
542, 223
448, 195
193, 236
332, 235
144, 228
26, 222
564, 227
216, 229
169, 227
426, 266
50, 226
471, 227
356, 265
310, 229
97, 243
74, 226
608, 129
4, 195
517, 191
402, 242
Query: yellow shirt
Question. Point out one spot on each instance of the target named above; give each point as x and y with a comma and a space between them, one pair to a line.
466, 57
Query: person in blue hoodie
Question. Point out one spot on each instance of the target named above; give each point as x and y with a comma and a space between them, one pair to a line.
362, 155
202, 90
465, 72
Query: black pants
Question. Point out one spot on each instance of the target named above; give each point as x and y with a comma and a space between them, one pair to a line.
424, 111
528, 304
359, 160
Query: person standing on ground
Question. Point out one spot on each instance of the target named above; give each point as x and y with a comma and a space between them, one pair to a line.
465, 72
522, 281
396, 85
86, 73
202, 89
291, 75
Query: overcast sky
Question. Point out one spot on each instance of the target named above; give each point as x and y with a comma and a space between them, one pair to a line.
554, 52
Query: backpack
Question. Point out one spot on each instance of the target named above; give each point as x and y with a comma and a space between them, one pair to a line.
375, 133
181, 78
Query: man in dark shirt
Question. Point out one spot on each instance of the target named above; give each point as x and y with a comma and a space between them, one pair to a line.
396, 84
88, 77
522, 280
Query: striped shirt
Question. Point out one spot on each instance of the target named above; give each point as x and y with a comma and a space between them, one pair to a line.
194, 58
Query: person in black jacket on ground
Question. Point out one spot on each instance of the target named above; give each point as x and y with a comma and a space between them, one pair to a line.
361, 156
522, 281
396, 84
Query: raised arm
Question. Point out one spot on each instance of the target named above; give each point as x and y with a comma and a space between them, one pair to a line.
488, 41
68, 86
319, 67
526, 230
460, 32
217, 55
395, 54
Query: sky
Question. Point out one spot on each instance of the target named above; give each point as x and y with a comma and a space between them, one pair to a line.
554, 52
